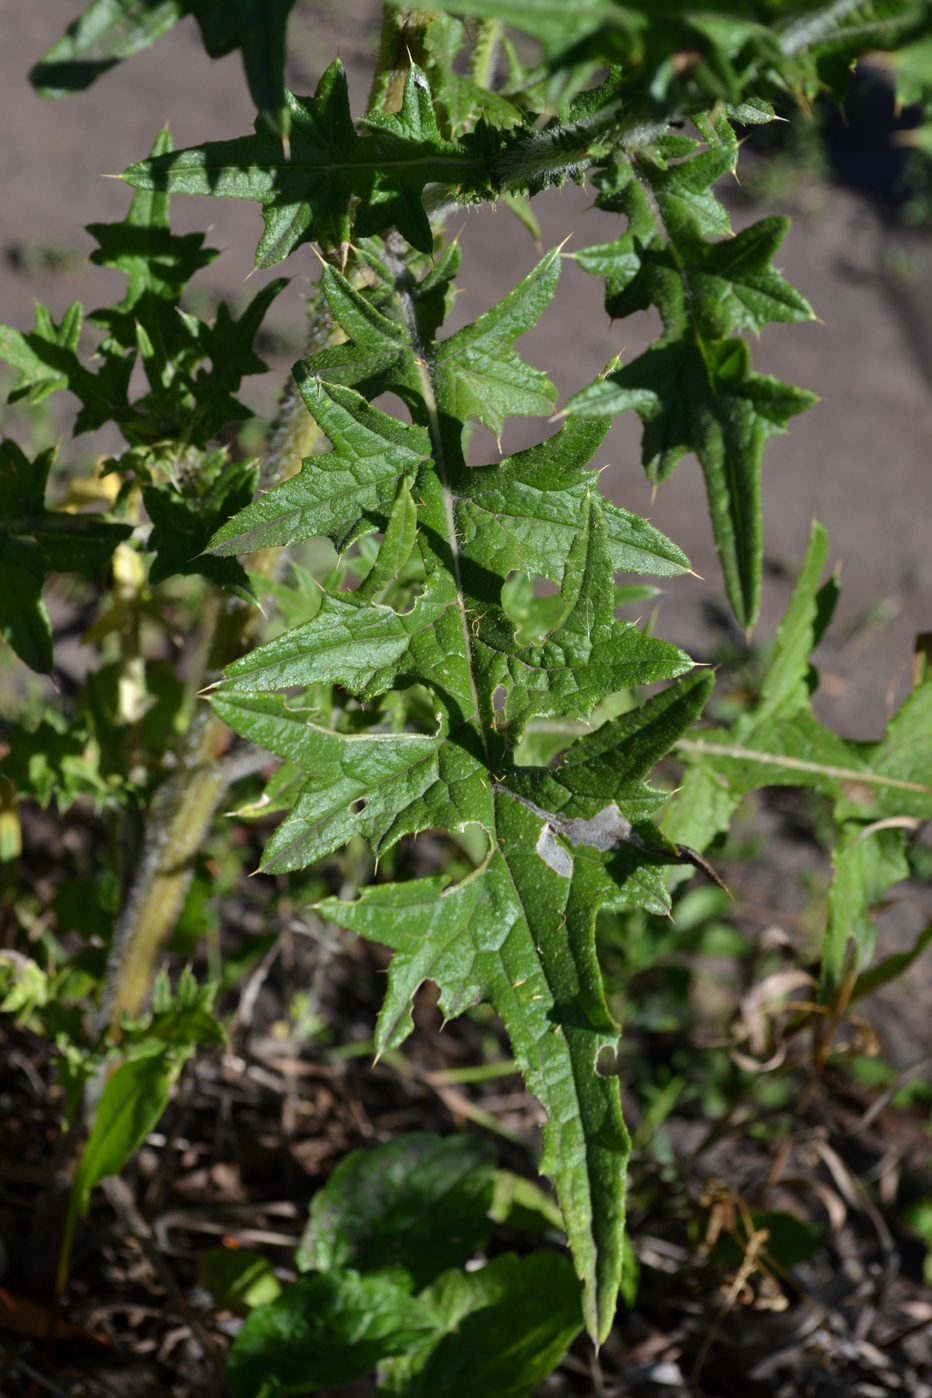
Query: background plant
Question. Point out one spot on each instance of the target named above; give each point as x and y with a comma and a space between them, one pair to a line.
432, 683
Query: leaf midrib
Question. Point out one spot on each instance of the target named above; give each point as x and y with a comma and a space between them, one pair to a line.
429, 388
699, 748
146, 178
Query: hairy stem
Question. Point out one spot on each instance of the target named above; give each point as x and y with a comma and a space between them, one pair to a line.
399, 43
441, 443
486, 51
185, 804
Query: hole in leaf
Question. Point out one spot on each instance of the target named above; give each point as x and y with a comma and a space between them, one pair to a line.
394, 406
359, 805
532, 604
606, 1061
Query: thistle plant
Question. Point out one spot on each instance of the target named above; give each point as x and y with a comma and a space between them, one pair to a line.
435, 686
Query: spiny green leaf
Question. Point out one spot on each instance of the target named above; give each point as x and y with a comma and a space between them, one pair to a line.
519, 934
719, 287
101, 37
778, 741
476, 942
706, 399
483, 377
109, 31
720, 48
185, 401
587, 654
370, 650
33, 541
562, 842
785, 689
182, 527
348, 491
523, 511
307, 191
24, 621
195, 402
228, 344
157, 266
694, 389
47, 360
380, 786
865, 864
619, 755
258, 28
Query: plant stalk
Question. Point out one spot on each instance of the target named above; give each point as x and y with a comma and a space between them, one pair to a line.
486, 52
185, 804
400, 44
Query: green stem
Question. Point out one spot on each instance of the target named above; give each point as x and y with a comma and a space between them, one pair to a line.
698, 747
486, 51
185, 804
399, 43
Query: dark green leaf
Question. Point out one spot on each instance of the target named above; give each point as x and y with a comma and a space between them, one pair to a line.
323, 1332
258, 28
707, 401
184, 401
418, 1202
865, 864
694, 389
891, 968
237, 1279
307, 190
182, 527
109, 31
785, 689
34, 540
157, 266
24, 622
563, 842
47, 360
505, 1328
132, 1103
102, 36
